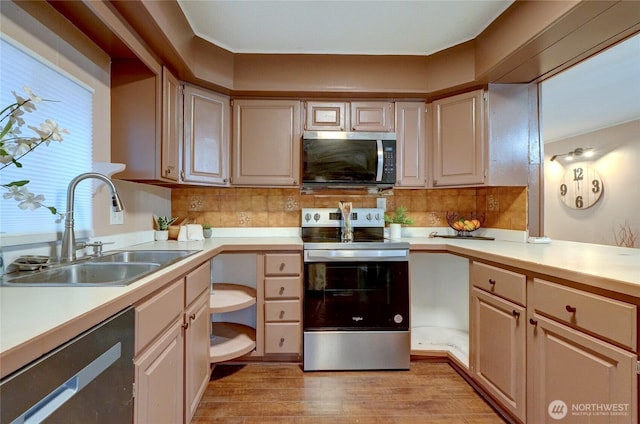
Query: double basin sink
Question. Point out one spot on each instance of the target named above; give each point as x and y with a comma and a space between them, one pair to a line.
117, 268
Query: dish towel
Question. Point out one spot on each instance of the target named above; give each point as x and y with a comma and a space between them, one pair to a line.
194, 232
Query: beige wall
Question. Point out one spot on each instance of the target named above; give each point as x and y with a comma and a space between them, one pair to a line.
617, 157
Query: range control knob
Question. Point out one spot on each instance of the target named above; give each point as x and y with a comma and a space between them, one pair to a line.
377, 217
368, 217
307, 217
316, 216
398, 319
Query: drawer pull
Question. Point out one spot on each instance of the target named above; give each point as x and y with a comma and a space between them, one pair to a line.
533, 321
281, 290
282, 266
515, 313
281, 341
492, 281
570, 309
281, 314
192, 317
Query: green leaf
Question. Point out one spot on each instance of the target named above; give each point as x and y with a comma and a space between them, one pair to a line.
18, 183
5, 130
53, 210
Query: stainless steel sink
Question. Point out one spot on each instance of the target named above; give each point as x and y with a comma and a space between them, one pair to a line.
163, 257
119, 268
86, 274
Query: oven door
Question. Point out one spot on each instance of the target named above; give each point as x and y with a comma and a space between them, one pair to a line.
351, 290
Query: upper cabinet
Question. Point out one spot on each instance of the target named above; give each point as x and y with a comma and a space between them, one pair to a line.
483, 137
459, 139
170, 157
411, 144
349, 116
206, 137
266, 143
372, 116
326, 116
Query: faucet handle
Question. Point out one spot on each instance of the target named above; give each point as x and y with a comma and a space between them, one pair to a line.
97, 246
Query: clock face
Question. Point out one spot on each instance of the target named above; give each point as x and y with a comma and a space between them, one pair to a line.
581, 187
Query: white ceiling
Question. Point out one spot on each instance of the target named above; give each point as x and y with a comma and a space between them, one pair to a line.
598, 93
417, 27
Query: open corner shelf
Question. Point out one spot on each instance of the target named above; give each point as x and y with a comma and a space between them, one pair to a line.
226, 297
231, 340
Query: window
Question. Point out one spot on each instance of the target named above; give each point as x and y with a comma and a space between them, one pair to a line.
48, 168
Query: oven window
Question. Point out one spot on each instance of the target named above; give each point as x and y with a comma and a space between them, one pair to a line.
356, 295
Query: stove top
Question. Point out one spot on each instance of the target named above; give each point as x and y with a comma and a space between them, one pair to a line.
321, 229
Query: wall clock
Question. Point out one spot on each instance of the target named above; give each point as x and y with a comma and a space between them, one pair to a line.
581, 187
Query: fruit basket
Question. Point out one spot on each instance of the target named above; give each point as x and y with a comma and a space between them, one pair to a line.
464, 225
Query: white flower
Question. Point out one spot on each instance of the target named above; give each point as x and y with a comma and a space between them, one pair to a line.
30, 200
15, 192
32, 96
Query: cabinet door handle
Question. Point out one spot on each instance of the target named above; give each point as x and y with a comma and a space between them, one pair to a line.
515, 313
492, 281
281, 290
281, 314
570, 309
282, 266
533, 321
281, 341
192, 317
185, 325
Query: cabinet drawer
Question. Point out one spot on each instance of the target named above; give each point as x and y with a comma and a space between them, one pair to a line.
282, 264
282, 310
197, 281
609, 318
506, 284
282, 337
157, 313
282, 288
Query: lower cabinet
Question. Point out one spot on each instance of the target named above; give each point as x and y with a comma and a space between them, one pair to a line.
563, 354
172, 350
499, 343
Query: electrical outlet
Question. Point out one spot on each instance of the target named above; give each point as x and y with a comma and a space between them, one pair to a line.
381, 203
116, 218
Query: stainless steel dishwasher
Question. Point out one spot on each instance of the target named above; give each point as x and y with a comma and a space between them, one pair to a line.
87, 380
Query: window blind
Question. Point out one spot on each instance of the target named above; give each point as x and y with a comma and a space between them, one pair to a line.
48, 168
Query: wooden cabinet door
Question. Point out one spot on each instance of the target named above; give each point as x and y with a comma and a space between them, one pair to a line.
411, 144
159, 379
171, 124
266, 143
459, 140
326, 116
206, 136
498, 349
372, 116
197, 369
572, 373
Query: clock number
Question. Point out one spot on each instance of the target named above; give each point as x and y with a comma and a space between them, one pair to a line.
596, 186
563, 189
579, 203
578, 174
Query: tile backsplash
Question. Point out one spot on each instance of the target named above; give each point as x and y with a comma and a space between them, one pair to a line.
502, 207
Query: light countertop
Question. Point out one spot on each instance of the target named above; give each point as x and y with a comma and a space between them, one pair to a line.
35, 320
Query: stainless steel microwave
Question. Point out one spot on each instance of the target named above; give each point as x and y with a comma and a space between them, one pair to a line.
348, 159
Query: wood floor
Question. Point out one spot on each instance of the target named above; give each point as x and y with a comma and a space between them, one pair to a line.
430, 392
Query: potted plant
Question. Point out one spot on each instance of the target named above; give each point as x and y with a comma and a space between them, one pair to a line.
162, 227
396, 221
207, 231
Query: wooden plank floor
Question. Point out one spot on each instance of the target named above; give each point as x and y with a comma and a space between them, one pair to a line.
430, 392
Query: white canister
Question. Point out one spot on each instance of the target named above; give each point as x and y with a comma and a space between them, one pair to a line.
395, 231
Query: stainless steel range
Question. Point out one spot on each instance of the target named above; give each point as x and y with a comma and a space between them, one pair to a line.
356, 299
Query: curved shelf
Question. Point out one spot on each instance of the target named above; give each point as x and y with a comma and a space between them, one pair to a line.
231, 340
227, 297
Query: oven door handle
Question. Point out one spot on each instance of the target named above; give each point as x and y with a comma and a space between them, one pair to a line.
356, 255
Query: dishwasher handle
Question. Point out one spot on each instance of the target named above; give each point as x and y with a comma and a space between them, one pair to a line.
61, 394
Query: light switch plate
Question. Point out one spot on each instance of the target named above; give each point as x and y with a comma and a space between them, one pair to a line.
116, 218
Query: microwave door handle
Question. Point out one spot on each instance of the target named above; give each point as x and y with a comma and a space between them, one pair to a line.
380, 161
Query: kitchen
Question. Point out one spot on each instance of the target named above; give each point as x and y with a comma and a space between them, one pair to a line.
230, 202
